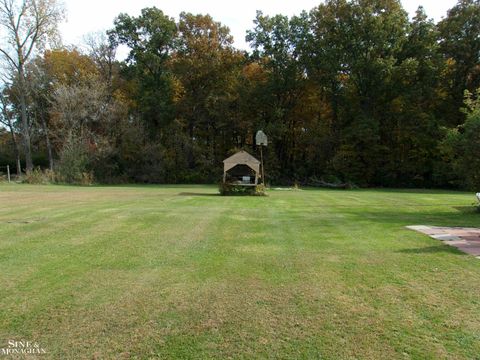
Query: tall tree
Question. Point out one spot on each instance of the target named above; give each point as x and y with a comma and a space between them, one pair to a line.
45, 74
352, 49
103, 53
460, 45
274, 42
414, 130
28, 24
151, 40
207, 68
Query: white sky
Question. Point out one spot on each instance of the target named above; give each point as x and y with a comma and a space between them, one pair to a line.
87, 16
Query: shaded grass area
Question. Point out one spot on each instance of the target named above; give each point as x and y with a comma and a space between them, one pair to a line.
167, 272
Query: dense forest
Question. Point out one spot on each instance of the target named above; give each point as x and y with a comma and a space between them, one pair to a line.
350, 91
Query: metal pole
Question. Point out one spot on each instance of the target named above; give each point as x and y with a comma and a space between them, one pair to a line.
8, 172
263, 169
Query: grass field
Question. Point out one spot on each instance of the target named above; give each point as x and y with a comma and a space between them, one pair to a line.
176, 272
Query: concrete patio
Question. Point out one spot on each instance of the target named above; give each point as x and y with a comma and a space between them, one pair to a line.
464, 239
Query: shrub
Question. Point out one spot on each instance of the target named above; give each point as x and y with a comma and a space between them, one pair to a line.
236, 190
260, 190
73, 165
37, 176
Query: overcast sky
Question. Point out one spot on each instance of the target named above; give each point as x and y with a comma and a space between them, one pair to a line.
87, 16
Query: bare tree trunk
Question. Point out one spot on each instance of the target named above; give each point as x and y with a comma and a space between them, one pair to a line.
49, 144
25, 125
15, 148
7, 120
19, 164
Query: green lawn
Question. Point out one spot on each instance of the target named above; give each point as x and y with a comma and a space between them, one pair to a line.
176, 272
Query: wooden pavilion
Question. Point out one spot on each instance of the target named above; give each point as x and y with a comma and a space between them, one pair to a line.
241, 169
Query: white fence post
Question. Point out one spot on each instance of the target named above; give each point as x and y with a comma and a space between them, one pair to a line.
8, 173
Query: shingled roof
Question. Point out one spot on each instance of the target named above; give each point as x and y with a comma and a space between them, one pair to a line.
241, 158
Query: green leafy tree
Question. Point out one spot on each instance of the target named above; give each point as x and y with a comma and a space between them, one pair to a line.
351, 49
461, 147
284, 93
414, 132
460, 46
151, 40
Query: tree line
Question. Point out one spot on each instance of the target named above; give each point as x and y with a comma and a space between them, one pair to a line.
350, 91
